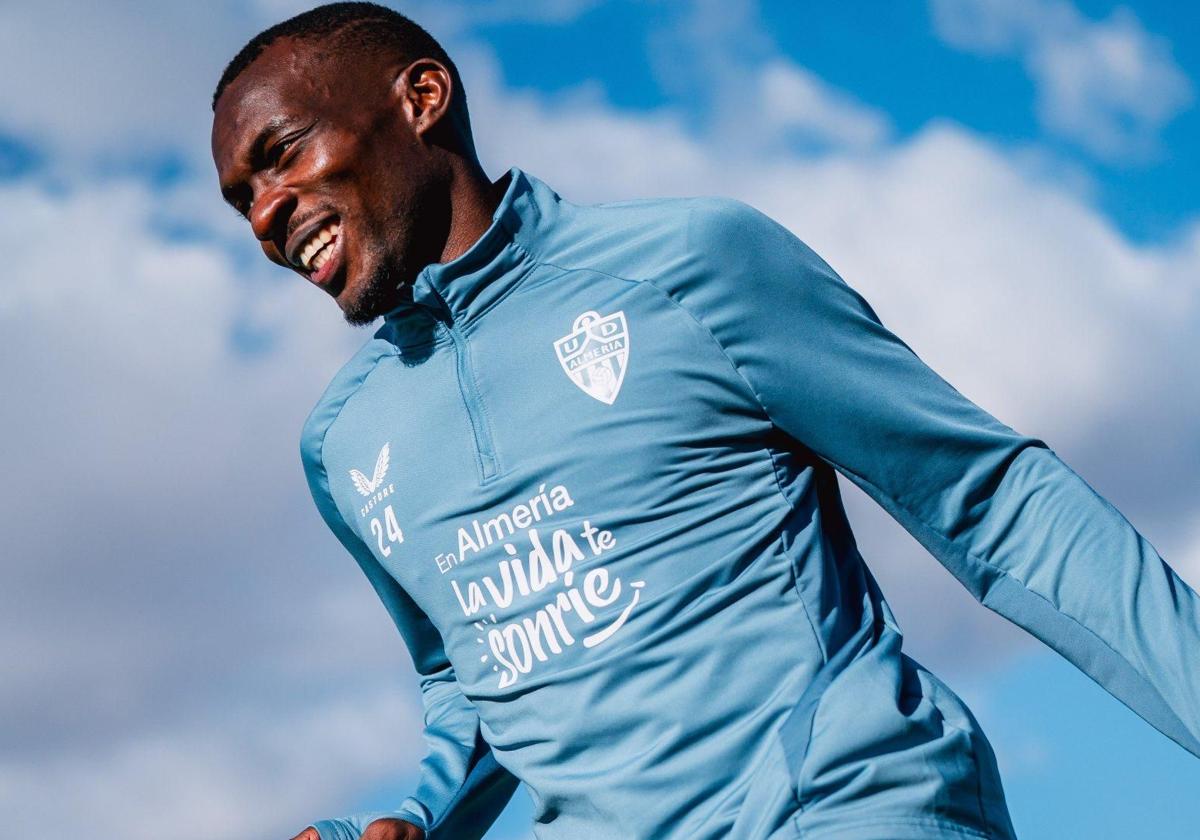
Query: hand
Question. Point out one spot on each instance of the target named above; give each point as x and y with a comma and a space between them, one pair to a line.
393, 829
384, 829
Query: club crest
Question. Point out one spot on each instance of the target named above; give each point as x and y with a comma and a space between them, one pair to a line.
595, 353
367, 486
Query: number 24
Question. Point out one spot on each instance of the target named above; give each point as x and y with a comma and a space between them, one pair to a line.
394, 534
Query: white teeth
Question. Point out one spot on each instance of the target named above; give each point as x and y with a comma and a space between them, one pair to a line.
318, 241
319, 261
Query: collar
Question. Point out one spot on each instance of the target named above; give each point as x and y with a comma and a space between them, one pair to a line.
467, 285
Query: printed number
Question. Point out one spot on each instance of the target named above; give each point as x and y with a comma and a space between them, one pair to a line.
393, 527
394, 534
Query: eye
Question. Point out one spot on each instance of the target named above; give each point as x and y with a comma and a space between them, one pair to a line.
277, 151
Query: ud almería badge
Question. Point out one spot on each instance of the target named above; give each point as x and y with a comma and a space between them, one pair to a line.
595, 353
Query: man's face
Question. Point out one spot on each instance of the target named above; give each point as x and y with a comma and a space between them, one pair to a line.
308, 147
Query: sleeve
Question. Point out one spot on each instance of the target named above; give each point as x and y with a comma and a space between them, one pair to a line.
1026, 535
461, 789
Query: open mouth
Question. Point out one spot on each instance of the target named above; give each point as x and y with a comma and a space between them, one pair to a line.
320, 254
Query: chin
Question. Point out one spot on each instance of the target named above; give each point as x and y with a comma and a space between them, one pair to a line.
361, 305
357, 316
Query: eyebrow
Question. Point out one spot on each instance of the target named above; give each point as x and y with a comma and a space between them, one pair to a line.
257, 148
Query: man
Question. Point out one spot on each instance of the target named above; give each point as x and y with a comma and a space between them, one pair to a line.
588, 464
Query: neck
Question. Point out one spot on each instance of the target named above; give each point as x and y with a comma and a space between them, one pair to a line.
473, 200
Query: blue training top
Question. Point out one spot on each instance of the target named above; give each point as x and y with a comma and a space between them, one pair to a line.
589, 467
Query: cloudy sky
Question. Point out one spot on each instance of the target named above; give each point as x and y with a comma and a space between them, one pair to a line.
187, 652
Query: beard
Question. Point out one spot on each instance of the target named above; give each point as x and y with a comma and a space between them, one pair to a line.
424, 218
379, 294
387, 280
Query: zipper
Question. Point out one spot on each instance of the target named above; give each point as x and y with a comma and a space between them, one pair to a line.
485, 451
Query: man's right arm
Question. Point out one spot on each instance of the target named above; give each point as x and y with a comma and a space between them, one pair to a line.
462, 789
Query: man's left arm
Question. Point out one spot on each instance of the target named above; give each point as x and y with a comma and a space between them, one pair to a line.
1026, 535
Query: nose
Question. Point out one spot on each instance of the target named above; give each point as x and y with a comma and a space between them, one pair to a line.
269, 210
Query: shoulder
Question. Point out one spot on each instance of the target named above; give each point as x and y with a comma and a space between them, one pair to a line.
633, 238
740, 240
676, 241
692, 221
736, 263
719, 215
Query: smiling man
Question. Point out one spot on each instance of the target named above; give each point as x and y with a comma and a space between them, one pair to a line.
589, 464
376, 206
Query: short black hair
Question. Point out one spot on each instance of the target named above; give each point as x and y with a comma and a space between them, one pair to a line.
362, 26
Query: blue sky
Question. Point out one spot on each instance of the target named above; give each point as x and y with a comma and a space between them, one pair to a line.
1011, 183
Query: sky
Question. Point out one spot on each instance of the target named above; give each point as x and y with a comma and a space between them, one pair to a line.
186, 650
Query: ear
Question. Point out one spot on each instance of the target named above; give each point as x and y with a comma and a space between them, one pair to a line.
424, 89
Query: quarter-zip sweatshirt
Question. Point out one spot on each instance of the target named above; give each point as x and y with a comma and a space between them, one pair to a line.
590, 468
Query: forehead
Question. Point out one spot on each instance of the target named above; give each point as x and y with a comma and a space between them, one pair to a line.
289, 80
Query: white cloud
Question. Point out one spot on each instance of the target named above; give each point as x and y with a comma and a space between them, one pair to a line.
106, 84
996, 26
253, 773
1108, 84
717, 56
794, 101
